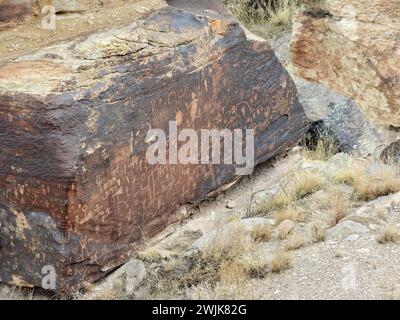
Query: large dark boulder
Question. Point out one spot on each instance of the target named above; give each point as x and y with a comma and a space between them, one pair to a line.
77, 193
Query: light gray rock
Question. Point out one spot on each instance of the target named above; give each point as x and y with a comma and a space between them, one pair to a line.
223, 233
316, 98
376, 169
354, 134
285, 228
128, 278
345, 229
250, 223
353, 237
135, 273
339, 160
281, 46
67, 6
391, 154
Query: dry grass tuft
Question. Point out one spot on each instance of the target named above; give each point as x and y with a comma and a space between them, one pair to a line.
282, 14
325, 149
288, 213
317, 231
255, 265
306, 183
274, 12
337, 202
347, 175
232, 247
370, 187
390, 233
295, 242
261, 233
151, 255
281, 200
281, 260
232, 272
301, 184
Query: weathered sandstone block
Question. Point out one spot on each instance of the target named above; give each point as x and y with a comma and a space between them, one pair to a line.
76, 191
353, 47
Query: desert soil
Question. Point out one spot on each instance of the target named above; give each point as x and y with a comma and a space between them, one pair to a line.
30, 35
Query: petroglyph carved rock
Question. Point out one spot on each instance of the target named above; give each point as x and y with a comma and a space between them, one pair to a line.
76, 191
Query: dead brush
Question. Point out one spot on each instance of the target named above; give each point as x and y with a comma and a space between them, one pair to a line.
151, 255
317, 231
300, 185
337, 203
261, 233
229, 248
347, 175
295, 242
274, 12
388, 234
254, 265
280, 261
371, 187
288, 213
232, 272
324, 149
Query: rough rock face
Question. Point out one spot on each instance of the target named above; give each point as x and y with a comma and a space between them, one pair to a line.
76, 190
14, 10
346, 125
353, 47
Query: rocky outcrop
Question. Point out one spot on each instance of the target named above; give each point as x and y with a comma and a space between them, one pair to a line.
346, 126
353, 47
77, 192
12, 11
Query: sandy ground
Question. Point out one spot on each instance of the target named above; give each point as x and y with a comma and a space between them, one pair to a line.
30, 35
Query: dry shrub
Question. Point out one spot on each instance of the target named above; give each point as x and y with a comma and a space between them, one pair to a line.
230, 247
347, 175
390, 233
281, 260
261, 233
306, 183
295, 242
255, 265
232, 272
229, 262
301, 184
337, 202
317, 231
370, 187
281, 200
325, 149
151, 255
288, 213
274, 12
282, 14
